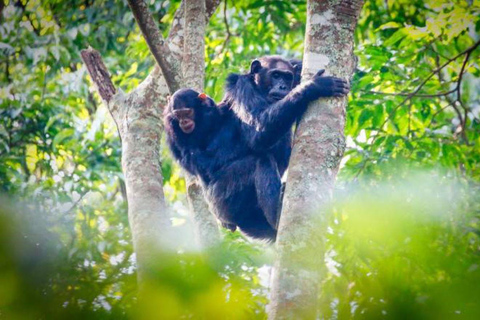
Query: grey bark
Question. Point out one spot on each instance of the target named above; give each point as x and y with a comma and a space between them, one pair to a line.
319, 144
206, 227
194, 44
138, 116
99, 74
176, 35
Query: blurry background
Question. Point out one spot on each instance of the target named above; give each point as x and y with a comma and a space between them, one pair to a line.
402, 244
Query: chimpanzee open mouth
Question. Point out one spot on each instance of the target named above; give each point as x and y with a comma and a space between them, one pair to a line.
187, 125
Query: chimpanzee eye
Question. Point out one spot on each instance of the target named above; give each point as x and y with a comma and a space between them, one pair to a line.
275, 75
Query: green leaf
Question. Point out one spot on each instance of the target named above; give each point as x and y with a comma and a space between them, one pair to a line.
389, 25
397, 36
62, 136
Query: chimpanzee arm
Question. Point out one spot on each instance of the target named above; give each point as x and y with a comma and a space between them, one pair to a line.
179, 148
275, 120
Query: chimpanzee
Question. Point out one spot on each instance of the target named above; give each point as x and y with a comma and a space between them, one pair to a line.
241, 149
191, 123
297, 65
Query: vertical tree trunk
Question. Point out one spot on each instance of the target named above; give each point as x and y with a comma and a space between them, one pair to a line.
133, 114
194, 44
318, 148
206, 228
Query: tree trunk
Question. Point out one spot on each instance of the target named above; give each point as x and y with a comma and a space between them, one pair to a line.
319, 144
133, 114
138, 116
206, 227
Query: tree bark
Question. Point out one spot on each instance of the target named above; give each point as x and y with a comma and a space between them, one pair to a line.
194, 44
99, 74
133, 114
160, 50
206, 227
319, 144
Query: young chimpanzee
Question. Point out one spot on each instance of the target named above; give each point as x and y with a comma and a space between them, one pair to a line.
191, 121
241, 151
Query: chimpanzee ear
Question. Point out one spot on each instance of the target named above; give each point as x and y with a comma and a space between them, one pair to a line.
298, 68
255, 67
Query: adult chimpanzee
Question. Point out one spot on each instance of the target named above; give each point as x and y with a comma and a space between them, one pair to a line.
240, 150
297, 65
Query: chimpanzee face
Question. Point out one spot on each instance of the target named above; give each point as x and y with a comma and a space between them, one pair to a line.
186, 119
184, 106
274, 77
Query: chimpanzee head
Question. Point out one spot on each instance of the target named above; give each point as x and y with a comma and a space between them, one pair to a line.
187, 107
274, 76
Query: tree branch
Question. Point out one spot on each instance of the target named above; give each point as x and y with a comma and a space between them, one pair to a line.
227, 26
194, 44
420, 86
175, 36
418, 95
211, 7
160, 50
318, 147
99, 73
206, 226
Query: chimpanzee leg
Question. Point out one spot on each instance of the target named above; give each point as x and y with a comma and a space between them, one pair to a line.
268, 187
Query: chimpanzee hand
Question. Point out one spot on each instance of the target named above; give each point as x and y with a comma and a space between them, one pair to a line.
330, 86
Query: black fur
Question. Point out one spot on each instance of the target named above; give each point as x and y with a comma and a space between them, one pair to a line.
241, 149
297, 65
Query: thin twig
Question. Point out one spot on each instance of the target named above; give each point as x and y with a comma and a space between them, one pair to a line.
420, 86
418, 95
75, 203
460, 76
437, 113
227, 26
463, 123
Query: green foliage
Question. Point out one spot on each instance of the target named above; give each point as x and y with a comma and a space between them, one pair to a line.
43, 277
404, 250
66, 251
410, 101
